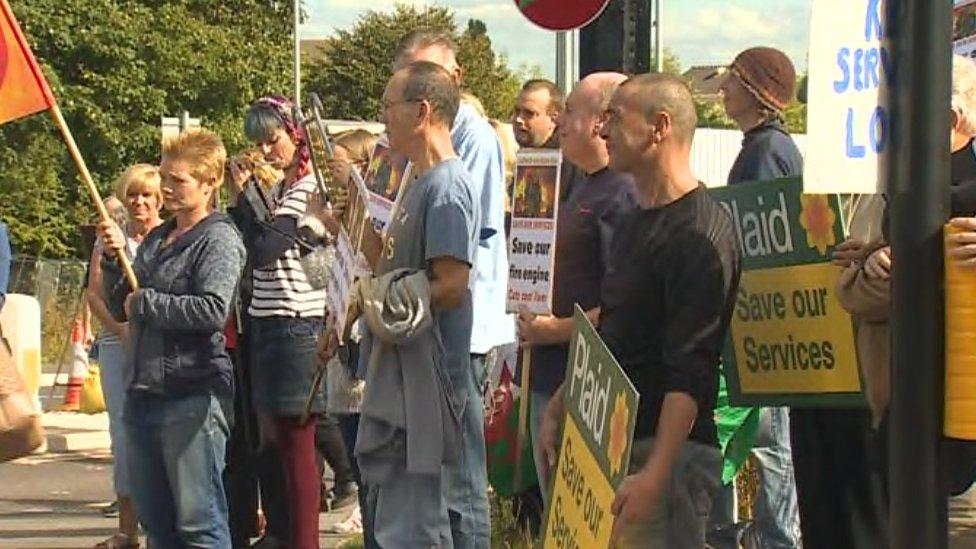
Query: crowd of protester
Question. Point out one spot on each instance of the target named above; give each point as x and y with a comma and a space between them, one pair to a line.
208, 365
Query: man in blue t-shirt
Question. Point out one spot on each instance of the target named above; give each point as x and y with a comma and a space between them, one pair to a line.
434, 231
480, 153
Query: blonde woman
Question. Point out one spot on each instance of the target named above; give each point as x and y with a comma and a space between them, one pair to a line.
181, 378
136, 206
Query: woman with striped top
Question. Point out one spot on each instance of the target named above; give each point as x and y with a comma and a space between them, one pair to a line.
286, 317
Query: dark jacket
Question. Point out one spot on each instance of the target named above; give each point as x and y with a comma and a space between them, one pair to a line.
768, 152
185, 294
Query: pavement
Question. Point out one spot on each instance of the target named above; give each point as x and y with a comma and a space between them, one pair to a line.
53, 498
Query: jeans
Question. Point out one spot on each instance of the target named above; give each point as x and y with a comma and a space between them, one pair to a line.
408, 512
775, 510
679, 519
466, 482
113, 363
177, 459
538, 401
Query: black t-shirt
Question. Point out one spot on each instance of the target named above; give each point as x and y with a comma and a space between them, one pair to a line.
667, 301
585, 229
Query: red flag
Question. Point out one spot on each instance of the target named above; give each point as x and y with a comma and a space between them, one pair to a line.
23, 89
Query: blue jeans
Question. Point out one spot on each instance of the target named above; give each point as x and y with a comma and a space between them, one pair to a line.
408, 512
466, 482
775, 511
538, 401
177, 449
113, 365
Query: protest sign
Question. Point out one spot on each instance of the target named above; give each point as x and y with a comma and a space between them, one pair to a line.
384, 179
594, 454
790, 341
848, 122
964, 28
532, 238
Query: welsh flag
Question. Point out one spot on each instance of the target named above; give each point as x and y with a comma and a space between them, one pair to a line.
23, 90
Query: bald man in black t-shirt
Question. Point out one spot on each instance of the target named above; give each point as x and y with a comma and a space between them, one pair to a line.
666, 304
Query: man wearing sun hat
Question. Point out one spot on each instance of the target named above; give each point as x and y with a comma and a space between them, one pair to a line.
758, 87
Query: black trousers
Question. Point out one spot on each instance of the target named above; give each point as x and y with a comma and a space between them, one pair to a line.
240, 475
839, 479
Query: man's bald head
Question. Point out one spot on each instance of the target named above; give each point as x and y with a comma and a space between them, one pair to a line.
431, 46
598, 88
664, 93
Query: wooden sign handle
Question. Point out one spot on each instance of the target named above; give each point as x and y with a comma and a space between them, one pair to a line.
86, 177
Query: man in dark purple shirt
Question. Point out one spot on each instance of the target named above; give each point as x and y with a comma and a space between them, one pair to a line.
584, 229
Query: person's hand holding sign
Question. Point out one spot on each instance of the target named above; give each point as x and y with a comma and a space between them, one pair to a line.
962, 245
878, 264
637, 497
847, 252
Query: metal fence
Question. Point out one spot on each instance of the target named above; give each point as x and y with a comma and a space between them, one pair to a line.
57, 284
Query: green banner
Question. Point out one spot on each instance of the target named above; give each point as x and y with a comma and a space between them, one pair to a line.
790, 342
598, 430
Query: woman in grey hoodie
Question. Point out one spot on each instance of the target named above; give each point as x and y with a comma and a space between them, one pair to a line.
180, 387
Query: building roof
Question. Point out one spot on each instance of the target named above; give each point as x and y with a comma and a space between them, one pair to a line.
705, 80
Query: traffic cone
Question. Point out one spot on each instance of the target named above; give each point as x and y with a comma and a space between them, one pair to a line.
79, 368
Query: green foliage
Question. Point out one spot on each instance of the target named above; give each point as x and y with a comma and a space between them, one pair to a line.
360, 59
116, 67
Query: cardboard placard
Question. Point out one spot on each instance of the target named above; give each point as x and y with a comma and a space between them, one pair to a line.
384, 180
848, 121
532, 239
790, 341
597, 436
964, 28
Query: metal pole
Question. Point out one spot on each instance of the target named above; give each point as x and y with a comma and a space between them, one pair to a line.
184, 121
562, 61
298, 54
918, 165
658, 35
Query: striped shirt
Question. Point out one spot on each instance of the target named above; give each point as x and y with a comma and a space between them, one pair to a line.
282, 288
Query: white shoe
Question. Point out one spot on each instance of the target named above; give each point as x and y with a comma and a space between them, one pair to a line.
353, 524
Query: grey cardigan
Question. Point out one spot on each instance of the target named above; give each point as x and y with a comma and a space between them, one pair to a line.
410, 420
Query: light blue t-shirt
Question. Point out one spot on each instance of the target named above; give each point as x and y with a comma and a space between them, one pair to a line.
437, 217
477, 144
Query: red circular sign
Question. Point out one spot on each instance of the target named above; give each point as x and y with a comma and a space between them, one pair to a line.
560, 15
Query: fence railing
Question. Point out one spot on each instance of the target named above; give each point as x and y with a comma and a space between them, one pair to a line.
57, 284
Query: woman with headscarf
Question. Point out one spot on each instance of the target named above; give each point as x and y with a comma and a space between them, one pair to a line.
286, 315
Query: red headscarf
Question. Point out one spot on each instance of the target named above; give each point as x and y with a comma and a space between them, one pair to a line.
285, 109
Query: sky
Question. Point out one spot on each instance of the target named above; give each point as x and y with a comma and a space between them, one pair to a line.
700, 32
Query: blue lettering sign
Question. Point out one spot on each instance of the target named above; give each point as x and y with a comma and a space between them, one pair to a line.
840, 86
853, 151
872, 21
878, 130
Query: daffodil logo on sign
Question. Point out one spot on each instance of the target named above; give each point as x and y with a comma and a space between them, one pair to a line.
618, 433
817, 219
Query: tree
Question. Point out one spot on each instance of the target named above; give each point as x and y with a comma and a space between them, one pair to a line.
116, 67
360, 59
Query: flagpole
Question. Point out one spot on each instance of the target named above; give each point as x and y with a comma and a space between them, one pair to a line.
69, 140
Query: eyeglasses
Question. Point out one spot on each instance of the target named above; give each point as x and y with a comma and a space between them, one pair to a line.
387, 105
